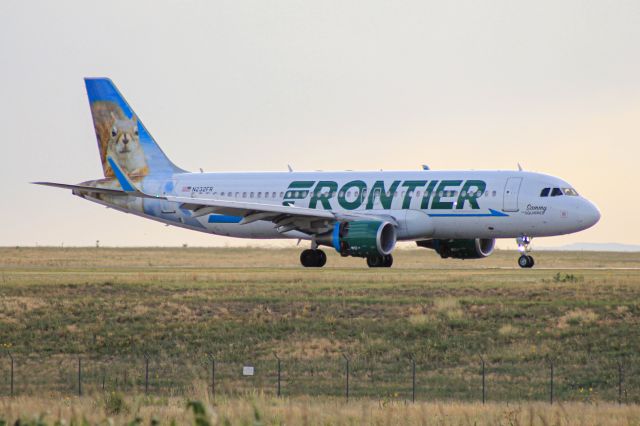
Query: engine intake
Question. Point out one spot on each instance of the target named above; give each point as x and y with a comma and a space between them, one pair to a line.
461, 249
361, 238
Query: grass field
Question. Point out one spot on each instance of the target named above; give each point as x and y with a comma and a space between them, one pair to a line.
112, 307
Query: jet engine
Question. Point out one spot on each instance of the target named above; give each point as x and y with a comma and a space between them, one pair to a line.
461, 249
361, 238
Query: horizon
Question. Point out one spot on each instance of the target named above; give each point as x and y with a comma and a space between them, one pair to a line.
402, 245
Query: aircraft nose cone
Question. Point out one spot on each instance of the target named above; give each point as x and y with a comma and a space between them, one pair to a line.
590, 214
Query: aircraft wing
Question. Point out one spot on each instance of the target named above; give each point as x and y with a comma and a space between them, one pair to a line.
285, 218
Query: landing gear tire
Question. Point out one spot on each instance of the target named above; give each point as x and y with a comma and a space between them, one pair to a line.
380, 261
313, 258
525, 261
322, 258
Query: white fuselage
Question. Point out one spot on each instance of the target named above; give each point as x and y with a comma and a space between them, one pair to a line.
424, 204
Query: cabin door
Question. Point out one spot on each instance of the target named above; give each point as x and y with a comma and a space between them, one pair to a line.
511, 190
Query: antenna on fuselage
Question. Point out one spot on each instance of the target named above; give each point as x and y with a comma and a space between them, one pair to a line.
201, 171
289, 167
425, 167
519, 167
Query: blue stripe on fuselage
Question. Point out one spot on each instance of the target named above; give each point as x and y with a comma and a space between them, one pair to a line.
492, 213
220, 218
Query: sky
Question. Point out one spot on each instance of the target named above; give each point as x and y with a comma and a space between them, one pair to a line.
332, 85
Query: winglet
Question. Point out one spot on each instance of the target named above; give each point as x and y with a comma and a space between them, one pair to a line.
123, 179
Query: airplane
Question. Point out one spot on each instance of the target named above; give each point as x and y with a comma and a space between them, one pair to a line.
459, 214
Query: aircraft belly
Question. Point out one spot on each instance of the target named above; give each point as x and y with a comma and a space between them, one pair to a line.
259, 230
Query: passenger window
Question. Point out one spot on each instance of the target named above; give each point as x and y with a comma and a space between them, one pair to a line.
556, 192
251, 195
259, 194
237, 195
493, 194
281, 195
417, 193
244, 195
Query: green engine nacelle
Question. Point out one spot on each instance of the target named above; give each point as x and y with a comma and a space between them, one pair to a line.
361, 238
476, 248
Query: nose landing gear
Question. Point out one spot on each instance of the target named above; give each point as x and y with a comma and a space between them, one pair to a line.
525, 260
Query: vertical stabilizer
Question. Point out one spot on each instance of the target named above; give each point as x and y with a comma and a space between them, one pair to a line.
121, 135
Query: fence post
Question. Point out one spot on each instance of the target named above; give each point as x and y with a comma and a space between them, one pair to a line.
79, 376
550, 382
213, 374
146, 374
620, 379
104, 374
413, 378
11, 358
347, 377
278, 361
483, 380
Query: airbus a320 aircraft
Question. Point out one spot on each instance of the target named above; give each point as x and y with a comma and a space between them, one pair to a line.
459, 214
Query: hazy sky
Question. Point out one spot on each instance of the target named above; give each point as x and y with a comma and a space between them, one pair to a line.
255, 85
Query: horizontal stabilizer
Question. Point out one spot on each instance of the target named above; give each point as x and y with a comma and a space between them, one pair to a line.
91, 189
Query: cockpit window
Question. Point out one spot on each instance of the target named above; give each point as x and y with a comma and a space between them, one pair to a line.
556, 192
570, 191
545, 192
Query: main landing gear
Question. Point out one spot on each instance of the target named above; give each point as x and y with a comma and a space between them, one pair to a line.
524, 261
380, 261
313, 258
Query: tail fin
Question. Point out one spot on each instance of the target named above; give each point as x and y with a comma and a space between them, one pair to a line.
121, 135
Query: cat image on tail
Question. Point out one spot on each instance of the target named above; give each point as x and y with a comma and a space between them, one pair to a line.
119, 138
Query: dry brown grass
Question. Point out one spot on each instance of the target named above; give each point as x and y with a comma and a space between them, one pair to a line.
257, 409
577, 317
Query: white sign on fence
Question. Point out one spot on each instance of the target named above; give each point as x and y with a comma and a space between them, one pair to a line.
247, 370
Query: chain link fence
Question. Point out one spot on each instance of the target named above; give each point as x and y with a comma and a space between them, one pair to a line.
345, 376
